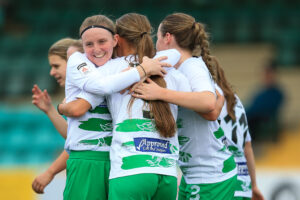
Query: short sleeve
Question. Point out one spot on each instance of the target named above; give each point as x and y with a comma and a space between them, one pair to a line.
78, 70
248, 136
172, 54
93, 99
198, 75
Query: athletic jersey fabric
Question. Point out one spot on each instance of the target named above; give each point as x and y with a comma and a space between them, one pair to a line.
137, 147
237, 133
203, 156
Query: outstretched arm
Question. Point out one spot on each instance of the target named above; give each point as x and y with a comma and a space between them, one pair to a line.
102, 84
41, 181
42, 100
256, 194
191, 100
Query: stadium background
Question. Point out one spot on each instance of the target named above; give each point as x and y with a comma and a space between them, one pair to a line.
244, 34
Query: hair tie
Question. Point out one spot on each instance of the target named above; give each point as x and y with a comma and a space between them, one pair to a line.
97, 26
144, 33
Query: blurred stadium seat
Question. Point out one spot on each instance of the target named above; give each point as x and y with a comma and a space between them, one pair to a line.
231, 21
28, 138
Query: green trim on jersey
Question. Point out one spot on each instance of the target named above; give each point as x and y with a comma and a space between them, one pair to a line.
173, 148
235, 151
137, 161
183, 140
128, 144
242, 198
223, 149
184, 157
135, 125
179, 123
104, 141
229, 164
243, 186
96, 124
100, 110
219, 133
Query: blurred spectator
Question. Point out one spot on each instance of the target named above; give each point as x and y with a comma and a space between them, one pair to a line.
263, 112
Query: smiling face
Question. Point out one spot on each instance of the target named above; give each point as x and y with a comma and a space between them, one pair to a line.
58, 69
98, 45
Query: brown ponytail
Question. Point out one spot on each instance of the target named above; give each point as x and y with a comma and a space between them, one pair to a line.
136, 30
189, 35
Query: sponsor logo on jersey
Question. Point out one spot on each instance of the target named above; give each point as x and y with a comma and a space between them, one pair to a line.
242, 169
84, 68
152, 145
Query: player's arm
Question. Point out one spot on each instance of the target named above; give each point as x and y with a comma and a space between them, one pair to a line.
213, 115
74, 108
256, 194
41, 181
58, 121
112, 83
106, 84
42, 100
201, 102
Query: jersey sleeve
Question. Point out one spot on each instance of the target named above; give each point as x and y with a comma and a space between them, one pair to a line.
182, 83
93, 99
242, 110
172, 54
198, 76
78, 70
103, 84
248, 136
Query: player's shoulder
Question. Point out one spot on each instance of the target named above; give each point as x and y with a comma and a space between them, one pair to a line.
78, 58
192, 64
173, 72
78, 62
168, 52
118, 60
176, 77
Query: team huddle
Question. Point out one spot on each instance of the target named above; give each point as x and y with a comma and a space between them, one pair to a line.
135, 113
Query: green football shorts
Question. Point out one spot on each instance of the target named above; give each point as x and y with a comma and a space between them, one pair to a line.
87, 175
214, 191
143, 187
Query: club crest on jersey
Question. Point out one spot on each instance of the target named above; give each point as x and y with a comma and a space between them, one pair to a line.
152, 145
84, 68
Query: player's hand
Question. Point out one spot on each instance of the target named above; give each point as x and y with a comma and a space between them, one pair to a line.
41, 181
155, 66
148, 90
256, 194
41, 99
